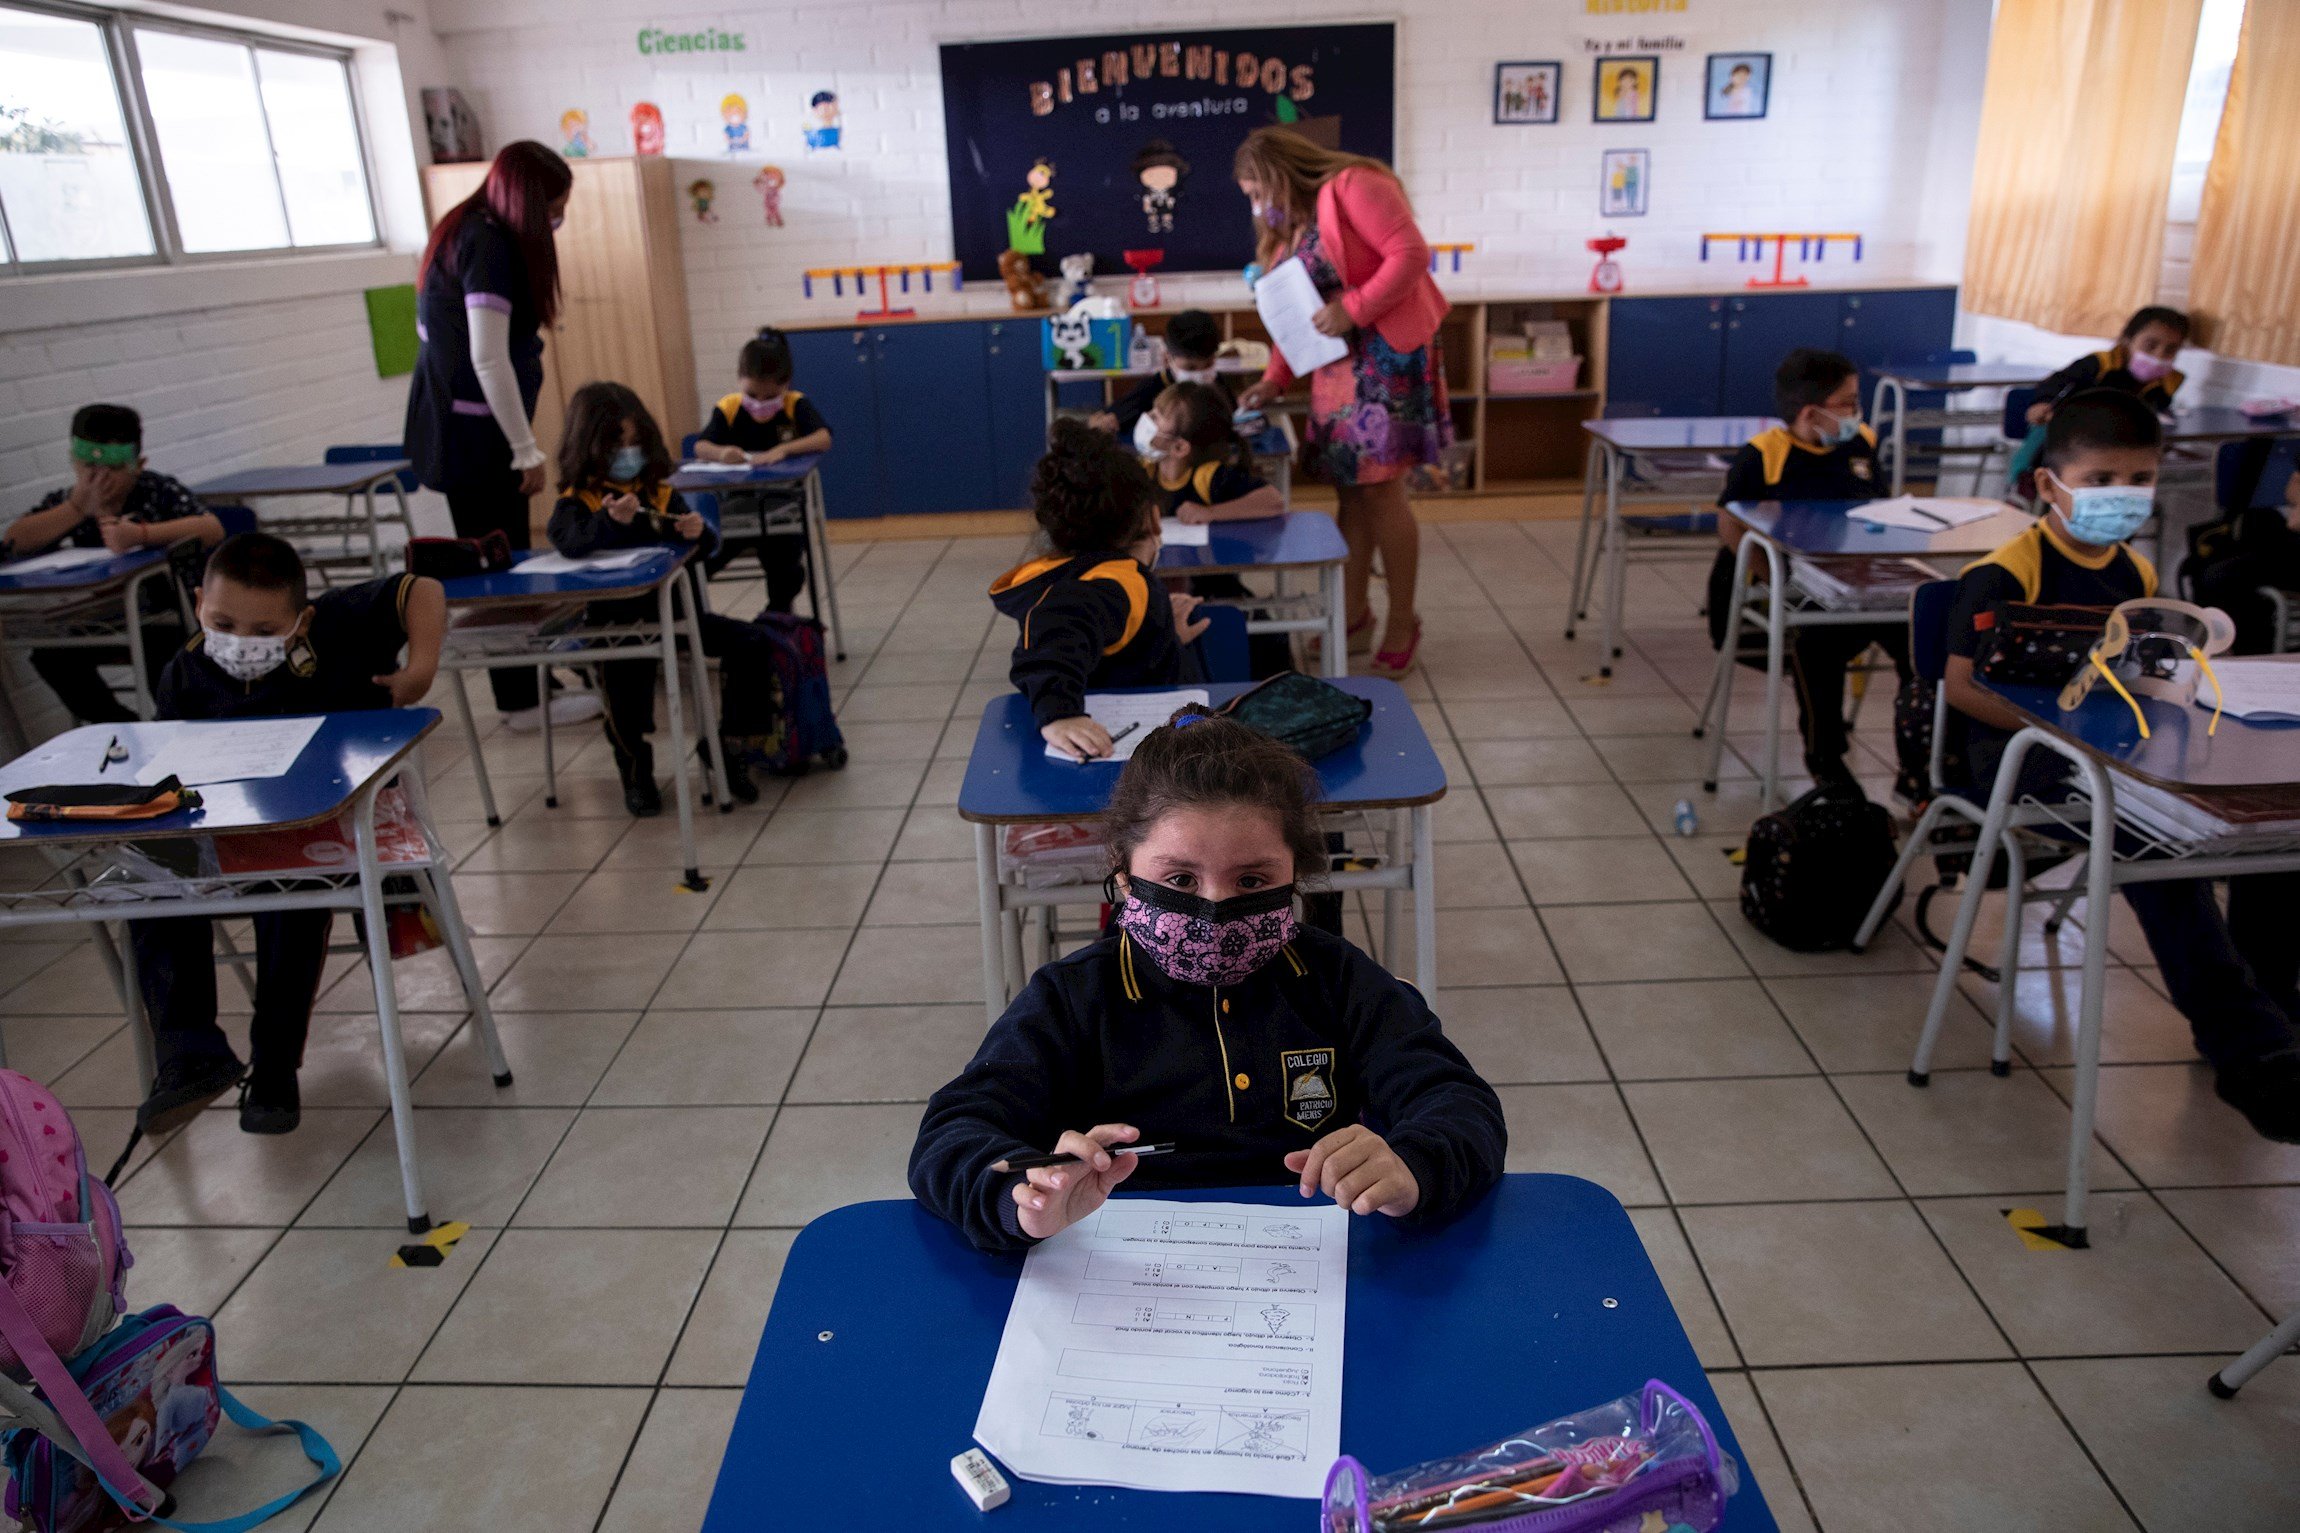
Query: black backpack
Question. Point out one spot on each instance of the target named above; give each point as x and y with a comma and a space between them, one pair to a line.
1814, 866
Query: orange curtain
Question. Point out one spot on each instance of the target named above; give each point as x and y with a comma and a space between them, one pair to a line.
2245, 283
2078, 121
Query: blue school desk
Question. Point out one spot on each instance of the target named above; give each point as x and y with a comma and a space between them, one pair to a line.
803, 471
513, 621
94, 606
355, 482
2223, 423
97, 872
1010, 780
1816, 529
2244, 769
1538, 1302
1661, 460
1897, 381
1294, 540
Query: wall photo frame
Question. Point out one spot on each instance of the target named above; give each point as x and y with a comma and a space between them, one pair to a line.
1625, 87
1739, 87
1625, 178
1525, 91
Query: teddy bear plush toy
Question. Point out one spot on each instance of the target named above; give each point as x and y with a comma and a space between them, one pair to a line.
1077, 280
1024, 287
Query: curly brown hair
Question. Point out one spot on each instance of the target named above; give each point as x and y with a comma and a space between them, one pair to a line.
1088, 492
593, 430
1199, 759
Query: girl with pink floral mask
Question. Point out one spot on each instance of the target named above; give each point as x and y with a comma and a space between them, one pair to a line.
1266, 1051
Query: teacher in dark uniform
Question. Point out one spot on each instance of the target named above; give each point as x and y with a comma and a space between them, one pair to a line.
488, 285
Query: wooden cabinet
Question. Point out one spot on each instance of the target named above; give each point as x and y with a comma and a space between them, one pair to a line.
622, 292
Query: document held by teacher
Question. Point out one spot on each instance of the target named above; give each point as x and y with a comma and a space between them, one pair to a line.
1288, 302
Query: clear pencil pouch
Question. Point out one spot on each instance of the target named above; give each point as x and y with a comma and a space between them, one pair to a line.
1644, 1461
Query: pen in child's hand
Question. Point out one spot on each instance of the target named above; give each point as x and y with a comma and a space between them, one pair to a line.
1033, 1162
1123, 733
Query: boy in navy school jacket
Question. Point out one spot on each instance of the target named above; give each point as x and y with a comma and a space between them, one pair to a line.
266, 649
1825, 451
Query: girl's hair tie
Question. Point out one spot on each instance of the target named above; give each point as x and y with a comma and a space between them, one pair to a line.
1187, 719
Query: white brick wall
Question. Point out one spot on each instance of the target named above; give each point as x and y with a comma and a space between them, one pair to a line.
1873, 104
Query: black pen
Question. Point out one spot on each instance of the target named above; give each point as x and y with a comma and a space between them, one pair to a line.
1123, 733
109, 756
1033, 1162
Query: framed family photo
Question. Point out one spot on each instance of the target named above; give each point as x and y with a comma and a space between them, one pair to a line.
1623, 180
1526, 91
1625, 89
1739, 85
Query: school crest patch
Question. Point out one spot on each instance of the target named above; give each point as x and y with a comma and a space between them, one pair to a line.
1309, 1078
1862, 468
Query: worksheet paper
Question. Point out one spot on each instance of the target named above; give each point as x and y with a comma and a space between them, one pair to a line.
231, 751
700, 466
2256, 689
1926, 513
1286, 298
1176, 1346
58, 559
1114, 711
1176, 533
560, 564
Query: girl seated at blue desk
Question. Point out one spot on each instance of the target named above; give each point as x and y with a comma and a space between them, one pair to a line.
764, 422
1205, 474
615, 492
1268, 1052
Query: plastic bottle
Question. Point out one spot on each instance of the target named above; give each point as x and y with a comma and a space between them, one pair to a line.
1686, 821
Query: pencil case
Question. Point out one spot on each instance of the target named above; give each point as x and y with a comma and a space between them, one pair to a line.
1313, 718
1644, 1460
2037, 644
102, 801
455, 558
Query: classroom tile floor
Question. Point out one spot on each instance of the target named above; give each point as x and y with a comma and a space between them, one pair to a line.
700, 1074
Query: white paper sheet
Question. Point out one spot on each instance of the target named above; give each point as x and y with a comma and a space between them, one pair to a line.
1286, 298
2255, 689
57, 559
1926, 513
1176, 1346
230, 751
1176, 533
560, 564
1144, 711
699, 466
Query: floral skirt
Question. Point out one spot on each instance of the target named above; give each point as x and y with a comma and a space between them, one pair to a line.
1376, 413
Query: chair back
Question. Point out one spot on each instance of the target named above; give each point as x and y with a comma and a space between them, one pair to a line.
352, 453
2017, 402
1929, 607
1222, 648
687, 446
188, 561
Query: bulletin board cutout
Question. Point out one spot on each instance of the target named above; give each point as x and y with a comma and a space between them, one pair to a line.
391, 327
1091, 105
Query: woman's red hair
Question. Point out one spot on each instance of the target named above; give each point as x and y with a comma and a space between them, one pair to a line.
521, 185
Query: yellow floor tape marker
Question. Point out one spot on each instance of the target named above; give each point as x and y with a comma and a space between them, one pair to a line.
1598, 680
2033, 1229
432, 1249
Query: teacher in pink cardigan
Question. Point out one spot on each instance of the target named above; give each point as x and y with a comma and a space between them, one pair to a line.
1382, 409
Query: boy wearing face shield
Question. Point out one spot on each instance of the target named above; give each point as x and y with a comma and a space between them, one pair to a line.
2233, 977
267, 649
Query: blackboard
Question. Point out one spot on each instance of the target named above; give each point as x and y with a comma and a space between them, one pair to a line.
1097, 108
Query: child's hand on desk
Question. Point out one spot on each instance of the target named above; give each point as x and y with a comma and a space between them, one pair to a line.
1193, 514
1053, 1198
1186, 627
689, 525
1080, 737
621, 508
1357, 1169
772, 455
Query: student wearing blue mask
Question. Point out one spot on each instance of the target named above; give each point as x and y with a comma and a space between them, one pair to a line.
615, 492
2232, 976
1823, 450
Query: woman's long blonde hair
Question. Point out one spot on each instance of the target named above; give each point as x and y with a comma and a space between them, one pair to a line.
1290, 169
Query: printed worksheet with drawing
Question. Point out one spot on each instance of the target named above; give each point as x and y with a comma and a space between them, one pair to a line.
1176, 1346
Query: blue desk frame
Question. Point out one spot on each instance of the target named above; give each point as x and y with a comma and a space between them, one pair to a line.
2102, 741
1291, 540
355, 481
804, 471
1537, 1302
50, 602
1896, 383
1010, 780
351, 759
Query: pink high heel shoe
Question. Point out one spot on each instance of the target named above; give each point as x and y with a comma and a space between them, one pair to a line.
1395, 663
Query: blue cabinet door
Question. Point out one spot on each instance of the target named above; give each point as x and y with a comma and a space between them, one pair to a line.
1017, 408
1874, 328
1761, 329
837, 369
934, 417
1663, 355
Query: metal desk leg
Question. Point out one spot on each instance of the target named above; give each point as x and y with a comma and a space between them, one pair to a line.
1969, 906
123, 960
1335, 662
1016, 968
1393, 851
1425, 901
440, 885
706, 706
12, 734
2098, 892
550, 750
1577, 607
819, 539
132, 603
1776, 638
993, 950
374, 536
2008, 966
668, 652
1617, 566
387, 1009
471, 740
1719, 710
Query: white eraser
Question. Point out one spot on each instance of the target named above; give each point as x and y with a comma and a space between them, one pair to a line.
980, 1479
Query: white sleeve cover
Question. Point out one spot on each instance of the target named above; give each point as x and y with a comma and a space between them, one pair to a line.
491, 360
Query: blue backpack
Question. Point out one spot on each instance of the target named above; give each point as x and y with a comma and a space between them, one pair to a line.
808, 728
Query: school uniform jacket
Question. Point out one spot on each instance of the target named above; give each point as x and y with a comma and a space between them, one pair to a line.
731, 425
581, 526
1776, 465
1094, 620
2110, 370
356, 634
1213, 483
1237, 1076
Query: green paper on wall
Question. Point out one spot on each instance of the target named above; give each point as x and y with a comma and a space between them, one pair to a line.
391, 325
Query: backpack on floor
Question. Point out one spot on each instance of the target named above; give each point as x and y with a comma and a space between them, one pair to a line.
806, 729
1814, 866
